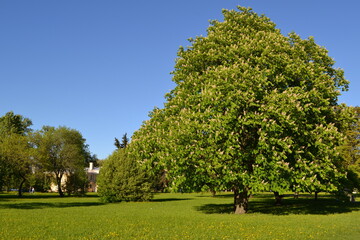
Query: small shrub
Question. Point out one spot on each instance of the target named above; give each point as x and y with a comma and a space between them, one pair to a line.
122, 179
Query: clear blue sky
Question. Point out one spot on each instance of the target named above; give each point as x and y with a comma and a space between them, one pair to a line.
101, 66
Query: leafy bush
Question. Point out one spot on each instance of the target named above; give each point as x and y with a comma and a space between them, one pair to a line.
121, 178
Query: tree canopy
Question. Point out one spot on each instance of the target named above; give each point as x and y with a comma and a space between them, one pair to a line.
14, 123
253, 110
61, 151
15, 149
351, 152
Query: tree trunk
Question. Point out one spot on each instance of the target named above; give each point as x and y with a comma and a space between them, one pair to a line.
58, 181
296, 195
20, 187
316, 195
213, 192
278, 198
241, 201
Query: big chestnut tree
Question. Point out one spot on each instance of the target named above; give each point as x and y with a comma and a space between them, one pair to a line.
253, 110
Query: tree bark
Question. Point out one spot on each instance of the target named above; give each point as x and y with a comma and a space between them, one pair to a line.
241, 201
278, 198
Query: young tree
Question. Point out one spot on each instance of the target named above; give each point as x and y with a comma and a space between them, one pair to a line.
122, 179
61, 151
252, 110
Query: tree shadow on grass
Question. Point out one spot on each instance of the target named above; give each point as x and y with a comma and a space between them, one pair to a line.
216, 208
169, 199
301, 206
7, 201
41, 205
305, 206
6, 196
218, 196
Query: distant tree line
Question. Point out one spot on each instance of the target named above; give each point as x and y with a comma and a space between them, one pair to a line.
35, 159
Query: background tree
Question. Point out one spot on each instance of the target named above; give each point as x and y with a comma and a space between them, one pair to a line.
40, 179
15, 150
124, 142
76, 181
61, 151
94, 159
351, 152
117, 143
14, 123
252, 110
121, 178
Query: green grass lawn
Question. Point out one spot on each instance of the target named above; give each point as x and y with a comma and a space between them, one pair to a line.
176, 216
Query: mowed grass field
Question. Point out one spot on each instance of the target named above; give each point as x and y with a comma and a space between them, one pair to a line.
177, 216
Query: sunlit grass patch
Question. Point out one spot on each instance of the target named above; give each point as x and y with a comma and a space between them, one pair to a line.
177, 216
